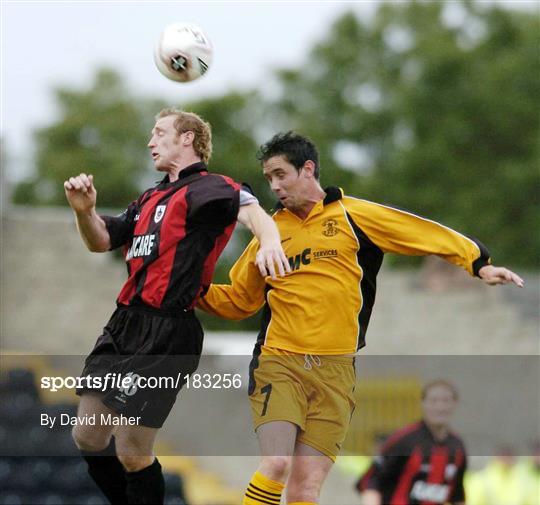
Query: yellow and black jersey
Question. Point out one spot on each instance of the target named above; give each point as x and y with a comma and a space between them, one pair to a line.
323, 306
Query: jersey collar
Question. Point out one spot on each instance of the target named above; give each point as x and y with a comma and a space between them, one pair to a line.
200, 166
333, 194
429, 433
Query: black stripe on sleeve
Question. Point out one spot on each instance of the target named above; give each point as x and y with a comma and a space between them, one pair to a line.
484, 258
370, 258
265, 321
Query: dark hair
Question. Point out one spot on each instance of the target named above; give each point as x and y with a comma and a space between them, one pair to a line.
440, 383
294, 147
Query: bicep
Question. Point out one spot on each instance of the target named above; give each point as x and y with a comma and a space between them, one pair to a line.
244, 215
249, 214
248, 206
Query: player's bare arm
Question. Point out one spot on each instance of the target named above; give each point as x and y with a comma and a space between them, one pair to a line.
82, 196
493, 275
263, 227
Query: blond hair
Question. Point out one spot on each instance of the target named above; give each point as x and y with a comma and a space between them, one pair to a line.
191, 122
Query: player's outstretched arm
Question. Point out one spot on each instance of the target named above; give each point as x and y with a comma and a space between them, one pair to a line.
245, 294
264, 228
82, 196
493, 275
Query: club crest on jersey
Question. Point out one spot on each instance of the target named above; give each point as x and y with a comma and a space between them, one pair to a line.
160, 212
330, 228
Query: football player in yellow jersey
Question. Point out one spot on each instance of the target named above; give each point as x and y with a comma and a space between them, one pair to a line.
315, 318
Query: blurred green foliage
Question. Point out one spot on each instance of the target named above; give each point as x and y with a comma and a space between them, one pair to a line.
430, 106
441, 120
102, 131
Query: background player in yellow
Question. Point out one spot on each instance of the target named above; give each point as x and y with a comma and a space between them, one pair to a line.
315, 318
506, 480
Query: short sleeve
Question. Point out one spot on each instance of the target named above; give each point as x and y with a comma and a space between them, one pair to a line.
387, 465
214, 201
121, 227
247, 198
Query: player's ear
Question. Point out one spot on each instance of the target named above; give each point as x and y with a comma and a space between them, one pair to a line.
187, 138
309, 168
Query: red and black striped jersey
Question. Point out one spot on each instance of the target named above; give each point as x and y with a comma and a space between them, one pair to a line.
173, 235
414, 468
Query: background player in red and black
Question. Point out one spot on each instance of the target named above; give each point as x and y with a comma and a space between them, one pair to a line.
421, 464
172, 236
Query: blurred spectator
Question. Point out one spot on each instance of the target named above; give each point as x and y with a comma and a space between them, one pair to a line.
504, 481
529, 469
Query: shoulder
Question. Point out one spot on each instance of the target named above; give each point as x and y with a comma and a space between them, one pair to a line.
219, 180
279, 215
212, 187
146, 194
285, 220
351, 202
456, 440
402, 436
360, 208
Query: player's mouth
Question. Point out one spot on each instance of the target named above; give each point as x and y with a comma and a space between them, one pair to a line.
155, 156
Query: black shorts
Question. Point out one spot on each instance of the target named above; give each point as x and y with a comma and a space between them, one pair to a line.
141, 361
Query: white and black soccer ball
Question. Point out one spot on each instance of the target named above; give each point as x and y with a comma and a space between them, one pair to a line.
183, 52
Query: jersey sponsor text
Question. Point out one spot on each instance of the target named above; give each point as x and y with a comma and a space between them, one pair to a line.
142, 246
433, 492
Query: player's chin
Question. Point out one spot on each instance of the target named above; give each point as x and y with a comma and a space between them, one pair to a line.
441, 420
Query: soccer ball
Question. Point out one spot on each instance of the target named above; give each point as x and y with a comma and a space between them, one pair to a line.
183, 52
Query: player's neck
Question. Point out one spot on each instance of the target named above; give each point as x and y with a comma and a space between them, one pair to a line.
315, 196
181, 164
439, 432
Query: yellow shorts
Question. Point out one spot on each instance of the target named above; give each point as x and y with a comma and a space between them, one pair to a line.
314, 392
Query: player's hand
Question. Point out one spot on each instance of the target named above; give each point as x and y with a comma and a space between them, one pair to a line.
371, 497
493, 275
270, 255
81, 193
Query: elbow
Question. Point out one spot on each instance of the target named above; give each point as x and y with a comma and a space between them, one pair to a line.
98, 247
95, 249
